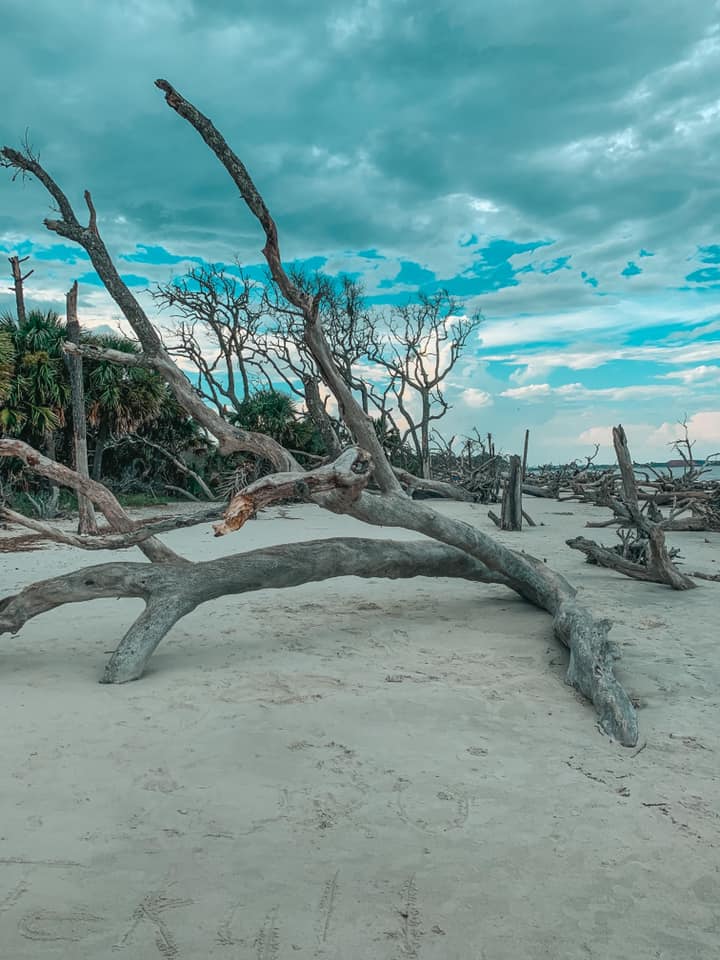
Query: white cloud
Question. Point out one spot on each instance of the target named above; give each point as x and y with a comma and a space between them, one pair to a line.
533, 365
576, 391
473, 397
703, 426
532, 390
694, 374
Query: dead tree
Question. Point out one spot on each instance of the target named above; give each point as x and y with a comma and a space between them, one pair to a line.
592, 654
86, 513
219, 317
419, 346
18, 286
644, 556
511, 515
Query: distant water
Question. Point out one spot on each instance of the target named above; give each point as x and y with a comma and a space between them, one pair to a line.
713, 472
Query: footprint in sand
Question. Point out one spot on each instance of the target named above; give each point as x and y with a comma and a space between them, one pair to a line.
158, 780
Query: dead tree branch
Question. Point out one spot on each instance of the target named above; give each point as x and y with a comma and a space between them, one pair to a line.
94, 491
347, 476
650, 534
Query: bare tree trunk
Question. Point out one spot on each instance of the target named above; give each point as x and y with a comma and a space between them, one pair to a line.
512, 512
18, 281
659, 567
426, 468
87, 522
101, 442
51, 506
319, 416
525, 454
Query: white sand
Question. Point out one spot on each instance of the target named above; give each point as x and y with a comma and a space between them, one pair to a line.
361, 770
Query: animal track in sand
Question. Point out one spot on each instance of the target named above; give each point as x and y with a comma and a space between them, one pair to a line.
158, 780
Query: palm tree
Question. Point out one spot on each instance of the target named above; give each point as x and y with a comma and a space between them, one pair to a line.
267, 411
7, 363
119, 399
37, 393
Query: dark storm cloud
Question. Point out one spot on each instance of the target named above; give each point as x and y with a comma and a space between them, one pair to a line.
352, 116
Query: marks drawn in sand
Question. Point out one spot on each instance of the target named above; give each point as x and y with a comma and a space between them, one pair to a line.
326, 909
49, 926
10, 899
150, 908
4, 861
267, 942
428, 815
225, 934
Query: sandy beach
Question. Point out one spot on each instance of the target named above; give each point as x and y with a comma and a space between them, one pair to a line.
355, 770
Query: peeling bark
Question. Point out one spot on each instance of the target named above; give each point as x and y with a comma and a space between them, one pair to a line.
346, 477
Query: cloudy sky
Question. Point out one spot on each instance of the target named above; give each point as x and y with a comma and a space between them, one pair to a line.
554, 164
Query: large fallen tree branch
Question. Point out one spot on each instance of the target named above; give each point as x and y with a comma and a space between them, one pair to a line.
451, 491
591, 652
110, 541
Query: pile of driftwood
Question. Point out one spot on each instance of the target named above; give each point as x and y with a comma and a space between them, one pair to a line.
636, 502
477, 467
691, 498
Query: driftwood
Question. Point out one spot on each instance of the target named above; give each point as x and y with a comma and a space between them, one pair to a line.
592, 654
106, 539
646, 557
172, 590
511, 517
94, 491
449, 491
349, 474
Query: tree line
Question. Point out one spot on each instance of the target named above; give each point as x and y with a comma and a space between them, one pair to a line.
240, 341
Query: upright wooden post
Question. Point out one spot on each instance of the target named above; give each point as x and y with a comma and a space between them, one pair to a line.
87, 522
525, 454
511, 516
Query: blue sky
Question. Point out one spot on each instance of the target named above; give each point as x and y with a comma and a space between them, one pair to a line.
552, 165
